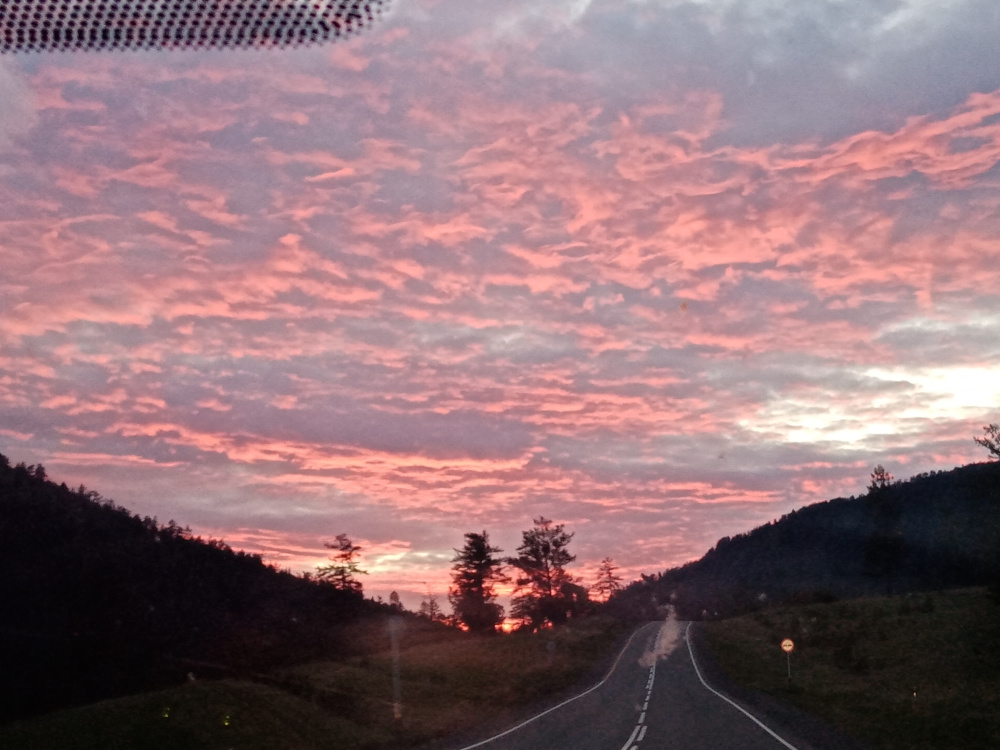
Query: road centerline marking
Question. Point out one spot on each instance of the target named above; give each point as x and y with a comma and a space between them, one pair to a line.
560, 705
628, 742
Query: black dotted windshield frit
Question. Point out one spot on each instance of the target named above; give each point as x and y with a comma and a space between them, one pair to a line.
50, 25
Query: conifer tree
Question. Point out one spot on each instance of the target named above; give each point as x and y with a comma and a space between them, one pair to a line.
885, 547
476, 570
608, 582
990, 439
341, 573
430, 608
546, 592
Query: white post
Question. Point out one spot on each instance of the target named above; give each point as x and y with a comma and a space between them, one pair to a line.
395, 625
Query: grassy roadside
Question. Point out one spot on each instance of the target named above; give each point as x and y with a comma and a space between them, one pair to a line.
448, 685
200, 716
903, 673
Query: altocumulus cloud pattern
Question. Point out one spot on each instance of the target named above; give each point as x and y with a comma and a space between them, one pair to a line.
63, 25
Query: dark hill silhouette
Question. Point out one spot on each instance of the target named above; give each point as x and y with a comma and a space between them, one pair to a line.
943, 531
97, 602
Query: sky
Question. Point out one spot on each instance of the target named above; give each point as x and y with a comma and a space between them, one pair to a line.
658, 270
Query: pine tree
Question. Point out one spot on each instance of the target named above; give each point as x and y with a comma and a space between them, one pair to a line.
880, 480
990, 440
546, 593
885, 547
341, 573
475, 573
608, 582
430, 608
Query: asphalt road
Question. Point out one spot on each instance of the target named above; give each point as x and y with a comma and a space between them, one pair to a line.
653, 699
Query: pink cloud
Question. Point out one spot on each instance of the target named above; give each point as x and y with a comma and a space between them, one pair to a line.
550, 297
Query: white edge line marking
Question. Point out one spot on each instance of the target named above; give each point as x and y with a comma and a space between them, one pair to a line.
739, 708
568, 700
642, 733
631, 737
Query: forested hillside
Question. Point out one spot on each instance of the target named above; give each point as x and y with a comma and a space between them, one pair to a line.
933, 531
98, 602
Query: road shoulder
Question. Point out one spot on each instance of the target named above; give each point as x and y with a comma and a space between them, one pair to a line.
803, 730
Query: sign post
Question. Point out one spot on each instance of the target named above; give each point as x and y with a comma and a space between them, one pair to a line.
395, 625
788, 646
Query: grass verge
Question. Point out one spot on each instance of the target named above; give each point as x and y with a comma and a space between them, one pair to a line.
448, 685
452, 686
903, 673
200, 716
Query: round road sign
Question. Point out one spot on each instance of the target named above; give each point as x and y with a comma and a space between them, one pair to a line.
787, 646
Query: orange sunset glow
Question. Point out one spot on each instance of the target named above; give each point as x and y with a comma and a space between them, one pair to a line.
660, 271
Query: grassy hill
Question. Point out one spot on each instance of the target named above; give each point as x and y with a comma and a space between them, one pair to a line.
919, 672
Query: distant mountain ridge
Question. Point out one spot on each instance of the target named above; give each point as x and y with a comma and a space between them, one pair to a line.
945, 533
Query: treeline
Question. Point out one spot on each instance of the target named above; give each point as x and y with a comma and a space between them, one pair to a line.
934, 531
98, 602
545, 593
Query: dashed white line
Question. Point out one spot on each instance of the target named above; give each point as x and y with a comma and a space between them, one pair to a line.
628, 742
640, 727
565, 702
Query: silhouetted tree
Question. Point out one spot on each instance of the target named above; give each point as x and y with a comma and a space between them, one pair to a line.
885, 547
430, 608
38, 472
608, 582
990, 440
545, 590
341, 573
476, 570
880, 480
394, 601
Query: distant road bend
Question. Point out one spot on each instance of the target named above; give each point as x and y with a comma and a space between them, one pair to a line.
654, 697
